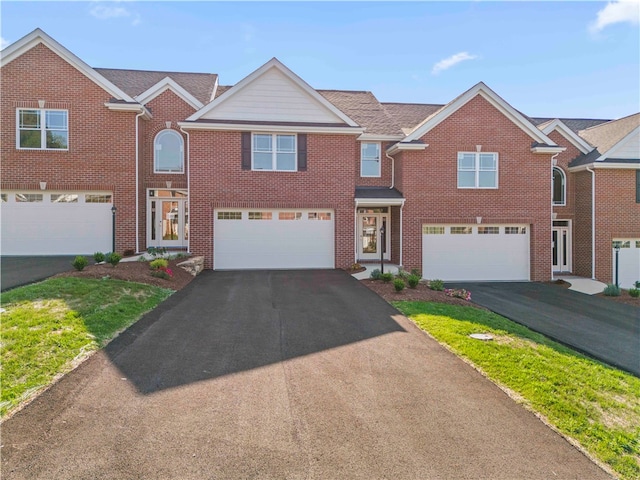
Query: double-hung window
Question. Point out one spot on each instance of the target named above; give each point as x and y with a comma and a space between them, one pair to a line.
42, 129
477, 170
370, 160
275, 152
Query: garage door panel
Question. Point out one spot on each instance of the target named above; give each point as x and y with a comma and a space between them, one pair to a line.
46, 228
474, 256
273, 243
629, 262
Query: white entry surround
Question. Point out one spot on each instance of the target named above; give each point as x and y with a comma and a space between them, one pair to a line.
628, 261
476, 252
56, 222
273, 239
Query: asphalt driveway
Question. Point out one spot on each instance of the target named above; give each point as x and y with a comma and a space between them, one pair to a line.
603, 329
17, 271
280, 375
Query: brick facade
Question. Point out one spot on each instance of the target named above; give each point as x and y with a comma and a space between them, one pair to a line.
102, 153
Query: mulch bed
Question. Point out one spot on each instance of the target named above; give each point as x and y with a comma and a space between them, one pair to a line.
135, 272
623, 298
421, 293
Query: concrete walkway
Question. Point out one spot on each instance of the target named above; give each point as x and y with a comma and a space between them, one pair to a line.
280, 375
388, 267
582, 284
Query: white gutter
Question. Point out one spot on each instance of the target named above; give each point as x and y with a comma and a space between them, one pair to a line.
143, 112
393, 170
593, 223
188, 183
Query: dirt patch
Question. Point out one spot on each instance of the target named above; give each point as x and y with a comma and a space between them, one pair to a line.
135, 272
422, 293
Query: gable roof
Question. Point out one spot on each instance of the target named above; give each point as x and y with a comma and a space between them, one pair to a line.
201, 86
37, 37
274, 65
366, 110
575, 124
540, 139
559, 126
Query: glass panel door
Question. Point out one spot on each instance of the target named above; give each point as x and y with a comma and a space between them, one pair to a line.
370, 242
369, 235
561, 250
168, 222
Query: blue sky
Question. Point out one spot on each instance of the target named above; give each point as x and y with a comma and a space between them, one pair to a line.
556, 59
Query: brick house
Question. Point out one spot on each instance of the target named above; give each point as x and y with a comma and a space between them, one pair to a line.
272, 173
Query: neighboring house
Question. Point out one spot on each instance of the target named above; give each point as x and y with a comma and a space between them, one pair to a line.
271, 173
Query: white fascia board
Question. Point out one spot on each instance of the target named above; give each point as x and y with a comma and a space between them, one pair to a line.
130, 107
274, 63
606, 166
376, 202
29, 41
215, 90
495, 100
162, 86
270, 128
612, 150
569, 134
372, 137
406, 146
548, 149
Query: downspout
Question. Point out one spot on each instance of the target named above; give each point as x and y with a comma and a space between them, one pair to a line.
593, 223
138, 185
355, 234
393, 170
188, 169
553, 164
401, 207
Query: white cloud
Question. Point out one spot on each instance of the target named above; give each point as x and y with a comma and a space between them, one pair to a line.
619, 11
104, 12
3, 43
451, 61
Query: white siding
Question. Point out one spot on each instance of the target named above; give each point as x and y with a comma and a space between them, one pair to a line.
273, 97
630, 148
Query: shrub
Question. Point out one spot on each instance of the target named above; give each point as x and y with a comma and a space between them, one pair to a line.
98, 257
80, 262
157, 251
403, 274
386, 277
638, 284
162, 272
375, 274
437, 285
612, 290
158, 263
398, 284
113, 258
416, 272
413, 280
634, 292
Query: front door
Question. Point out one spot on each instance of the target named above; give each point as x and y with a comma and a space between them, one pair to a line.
561, 248
371, 243
168, 219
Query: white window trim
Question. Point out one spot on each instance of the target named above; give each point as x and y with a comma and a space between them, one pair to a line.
379, 174
564, 189
43, 130
155, 151
477, 171
274, 151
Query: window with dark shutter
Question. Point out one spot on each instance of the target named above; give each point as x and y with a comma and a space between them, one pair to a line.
246, 150
302, 151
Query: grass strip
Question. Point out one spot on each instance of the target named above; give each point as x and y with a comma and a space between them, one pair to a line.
593, 403
47, 327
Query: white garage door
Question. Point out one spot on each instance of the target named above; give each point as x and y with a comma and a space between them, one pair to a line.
628, 261
273, 238
55, 223
475, 252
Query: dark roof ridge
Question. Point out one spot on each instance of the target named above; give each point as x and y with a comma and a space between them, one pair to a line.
343, 91
152, 71
414, 103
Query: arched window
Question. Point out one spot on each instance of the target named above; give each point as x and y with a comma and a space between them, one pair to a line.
168, 152
559, 187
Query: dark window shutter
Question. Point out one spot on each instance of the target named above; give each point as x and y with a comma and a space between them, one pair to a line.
246, 150
637, 186
302, 152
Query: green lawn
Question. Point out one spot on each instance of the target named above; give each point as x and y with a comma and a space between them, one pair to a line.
47, 327
597, 405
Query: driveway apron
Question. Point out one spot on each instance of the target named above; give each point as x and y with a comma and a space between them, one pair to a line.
16, 271
603, 329
276, 374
